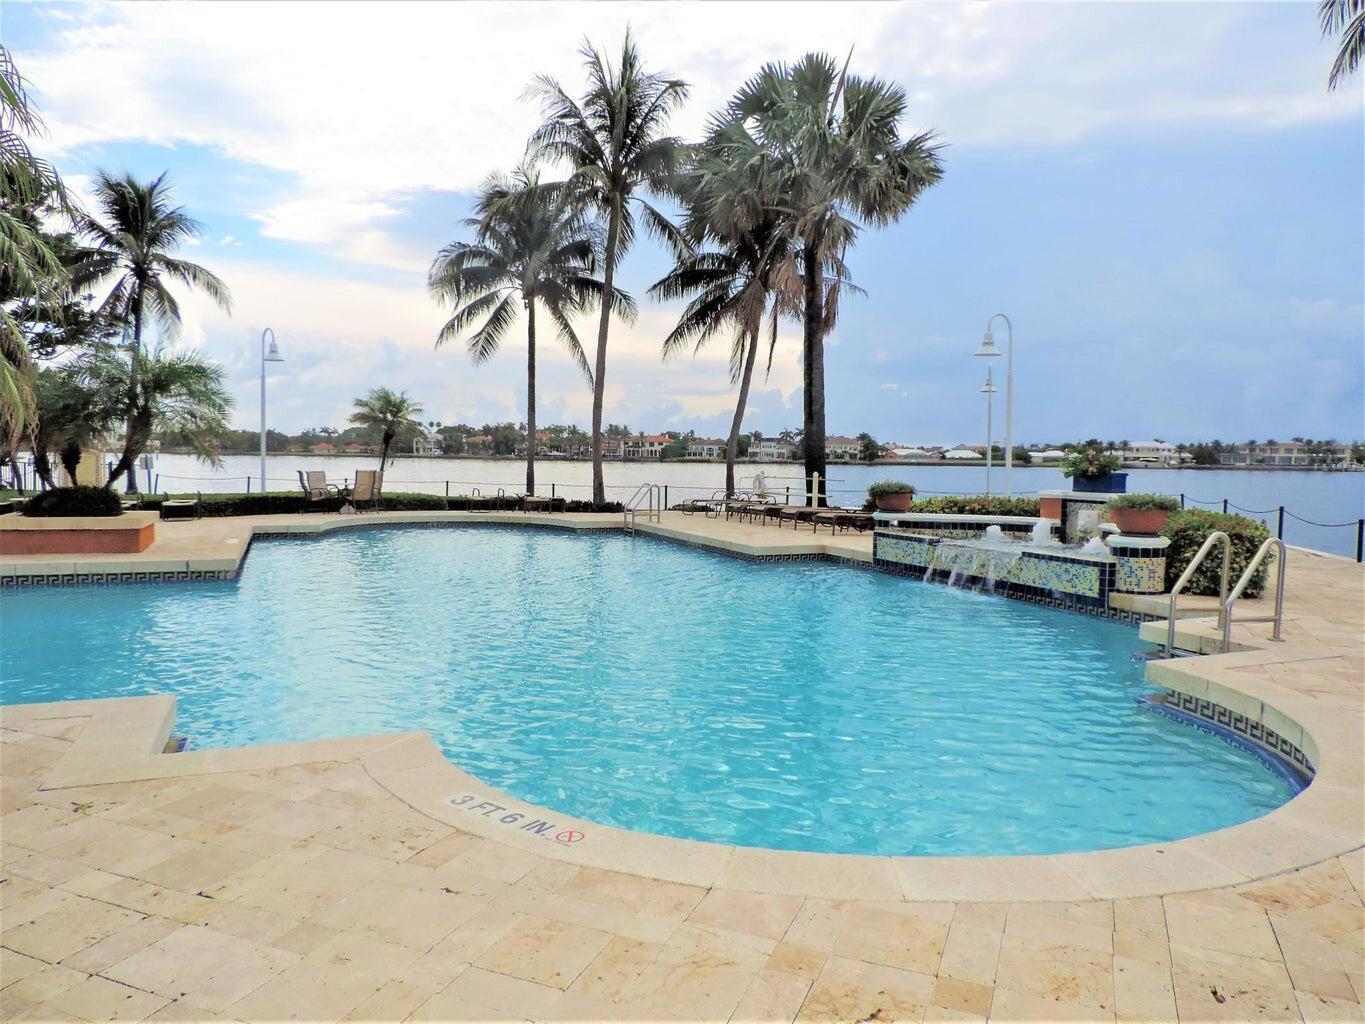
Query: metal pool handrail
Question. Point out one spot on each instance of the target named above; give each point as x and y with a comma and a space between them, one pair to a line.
1180, 584
1252, 566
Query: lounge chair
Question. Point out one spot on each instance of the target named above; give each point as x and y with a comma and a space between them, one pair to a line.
842, 519
315, 486
368, 489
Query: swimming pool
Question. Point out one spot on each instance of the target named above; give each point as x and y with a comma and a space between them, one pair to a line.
629, 681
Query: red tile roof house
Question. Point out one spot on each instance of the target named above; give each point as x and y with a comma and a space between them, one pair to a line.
648, 446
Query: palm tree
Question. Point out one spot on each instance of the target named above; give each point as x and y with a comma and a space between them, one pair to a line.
32, 271
734, 285
533, 244
616, 141
390, 412
134, 243
1346, 17
830, 143
155, 391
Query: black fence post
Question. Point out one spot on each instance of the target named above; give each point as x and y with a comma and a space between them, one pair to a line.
1225, 506
1280, 531
552, 492
1360, 540
665, 497
1182, 499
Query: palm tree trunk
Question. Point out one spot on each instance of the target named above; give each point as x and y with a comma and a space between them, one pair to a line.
384, 451
732, 445
531, 396
129, 459
599, 379
813, 358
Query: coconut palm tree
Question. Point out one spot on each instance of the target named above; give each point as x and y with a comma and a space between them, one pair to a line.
831, 144
172, 392
733, 285
134, 244
392, 413
617, 143
1347, 18
533, 245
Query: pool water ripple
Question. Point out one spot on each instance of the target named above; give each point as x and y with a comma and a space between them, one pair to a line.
642, 684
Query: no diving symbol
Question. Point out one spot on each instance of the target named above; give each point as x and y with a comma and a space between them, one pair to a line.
568, 836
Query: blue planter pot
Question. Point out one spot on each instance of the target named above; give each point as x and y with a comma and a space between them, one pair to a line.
1110, 483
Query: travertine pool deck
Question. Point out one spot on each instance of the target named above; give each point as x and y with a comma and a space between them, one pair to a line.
370, 879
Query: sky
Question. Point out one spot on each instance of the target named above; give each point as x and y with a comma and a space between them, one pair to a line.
1164, 198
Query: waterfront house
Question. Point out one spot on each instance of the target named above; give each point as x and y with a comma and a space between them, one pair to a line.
842, 449
961, 455
1287, 453
644, 446
705, 448
771, 449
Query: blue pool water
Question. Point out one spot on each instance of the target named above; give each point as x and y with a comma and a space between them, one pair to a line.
642, 684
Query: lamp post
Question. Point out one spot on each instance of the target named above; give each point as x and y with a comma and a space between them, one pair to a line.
988, 389
270, 355
989, 351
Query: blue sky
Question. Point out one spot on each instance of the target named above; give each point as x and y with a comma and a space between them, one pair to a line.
1163, 197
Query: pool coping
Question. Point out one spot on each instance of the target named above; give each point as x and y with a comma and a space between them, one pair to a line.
125, 736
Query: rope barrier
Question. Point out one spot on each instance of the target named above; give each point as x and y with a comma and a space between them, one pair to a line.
1310, 522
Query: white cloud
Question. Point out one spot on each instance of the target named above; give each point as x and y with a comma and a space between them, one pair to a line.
366, 105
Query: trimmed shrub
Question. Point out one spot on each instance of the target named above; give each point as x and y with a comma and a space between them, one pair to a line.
74, 501
884, 487
285, 502
1188, 529
978, 506
1145, 502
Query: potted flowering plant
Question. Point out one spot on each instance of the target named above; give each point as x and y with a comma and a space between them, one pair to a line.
1090, 469
891, 495
1141, 513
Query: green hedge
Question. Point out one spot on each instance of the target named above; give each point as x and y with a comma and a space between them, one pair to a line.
978, 506
1188, 529
284, 502
74, 501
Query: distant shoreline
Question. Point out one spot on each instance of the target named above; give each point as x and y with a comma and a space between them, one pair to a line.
935, 464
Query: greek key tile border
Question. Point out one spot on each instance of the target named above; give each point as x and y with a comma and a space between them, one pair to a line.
1251, 730
86, 578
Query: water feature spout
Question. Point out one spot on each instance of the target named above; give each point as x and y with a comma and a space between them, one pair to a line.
994, 533
1095, 546
1042, 534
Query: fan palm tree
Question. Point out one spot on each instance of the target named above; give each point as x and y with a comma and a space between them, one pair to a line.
831, 144
617, 143
392, 413
133, 247
1347, 18
32, 270
533, 245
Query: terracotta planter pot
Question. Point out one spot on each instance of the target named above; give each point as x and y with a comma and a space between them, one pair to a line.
1139, 520
894, 502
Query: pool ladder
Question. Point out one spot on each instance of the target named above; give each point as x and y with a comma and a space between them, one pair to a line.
649, 499
1226, 601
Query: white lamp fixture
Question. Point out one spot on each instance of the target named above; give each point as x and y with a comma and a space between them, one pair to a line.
270, 355
989, 351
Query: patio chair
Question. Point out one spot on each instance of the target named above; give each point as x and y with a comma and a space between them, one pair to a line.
315, 486
182, 508
368, 489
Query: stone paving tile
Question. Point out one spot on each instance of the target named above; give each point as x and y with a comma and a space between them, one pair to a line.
324, 898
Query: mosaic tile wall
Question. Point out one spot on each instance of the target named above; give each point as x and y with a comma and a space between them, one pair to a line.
959, 530
1088, 581
1140, 575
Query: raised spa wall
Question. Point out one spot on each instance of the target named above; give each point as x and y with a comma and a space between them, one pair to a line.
1135, 565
